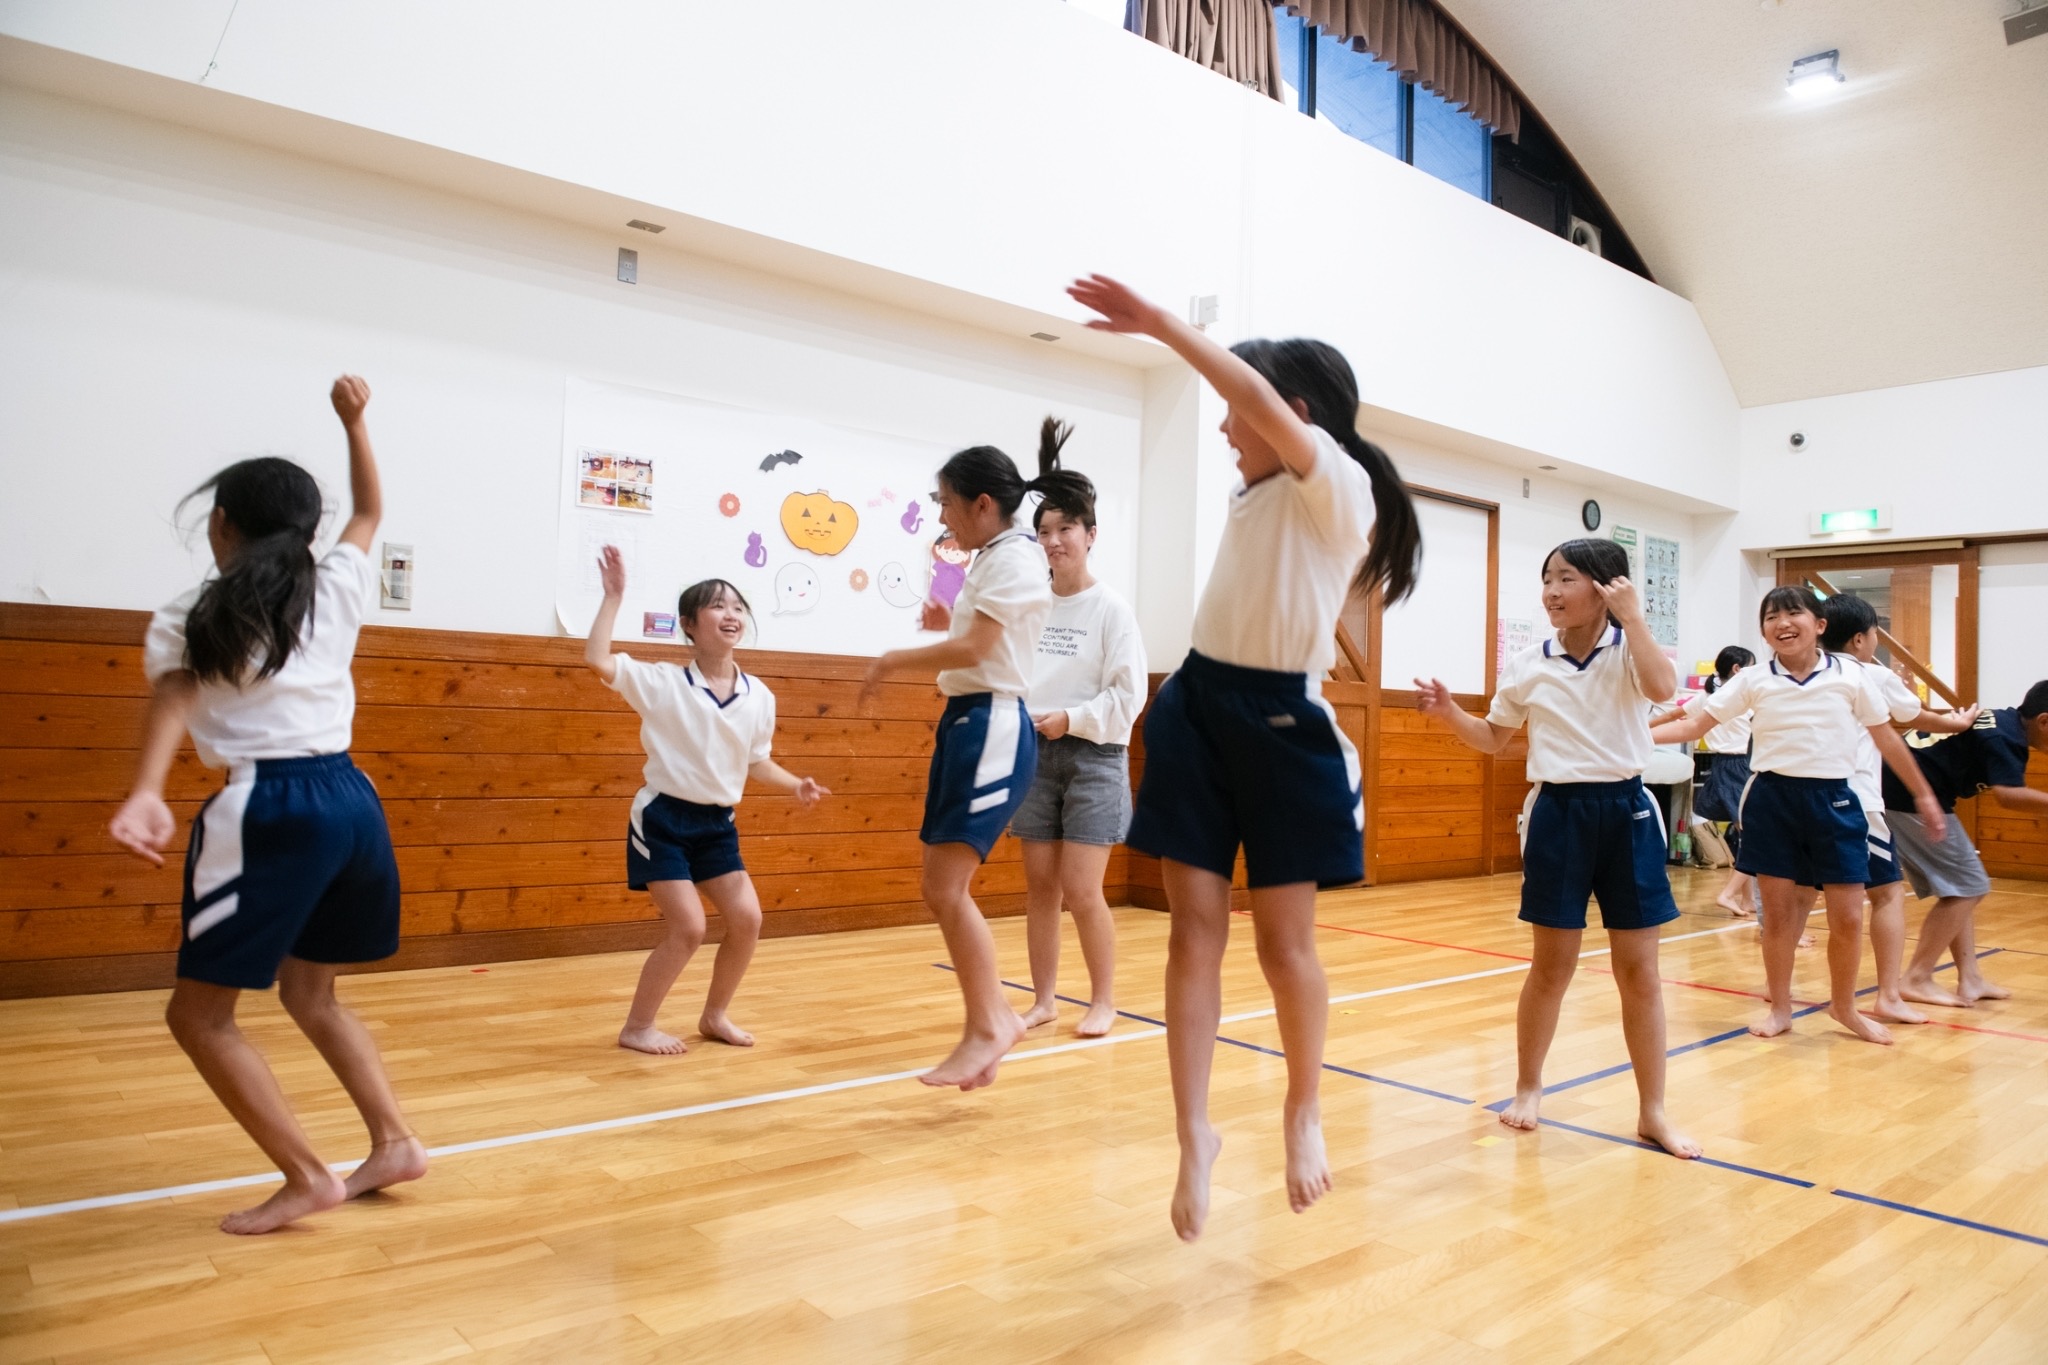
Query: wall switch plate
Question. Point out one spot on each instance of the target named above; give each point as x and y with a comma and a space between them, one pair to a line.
629, 265
1203, 309
396, 579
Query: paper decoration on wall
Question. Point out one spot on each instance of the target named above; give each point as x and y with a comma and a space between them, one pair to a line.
892, 580
858, 580
659, 625
913, 517
757, 553
815, 522
729, 505
619, 483
1513, 636
796, 590
1660, 588
949, 570
779, 457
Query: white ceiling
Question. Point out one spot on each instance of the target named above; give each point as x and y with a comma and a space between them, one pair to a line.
1892, 233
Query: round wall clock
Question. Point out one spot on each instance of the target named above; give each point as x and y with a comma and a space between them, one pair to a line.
1590, 515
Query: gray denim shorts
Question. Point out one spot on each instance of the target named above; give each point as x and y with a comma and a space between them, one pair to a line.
1082, 794
1948, 868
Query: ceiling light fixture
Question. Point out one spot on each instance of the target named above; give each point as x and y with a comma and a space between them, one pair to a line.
1815, 76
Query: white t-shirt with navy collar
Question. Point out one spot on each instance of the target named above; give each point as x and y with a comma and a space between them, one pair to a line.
1011, 583
1588, 719
1804, 726
1284, 566
306, 708
698, 747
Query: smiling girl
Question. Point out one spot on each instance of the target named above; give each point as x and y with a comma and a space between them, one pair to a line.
1802, 824
707, 728
1588, 827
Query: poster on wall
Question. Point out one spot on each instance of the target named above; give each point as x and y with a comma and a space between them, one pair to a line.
1660, 590
828, 531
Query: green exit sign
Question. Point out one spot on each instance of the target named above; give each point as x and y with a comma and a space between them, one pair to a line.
1851, 519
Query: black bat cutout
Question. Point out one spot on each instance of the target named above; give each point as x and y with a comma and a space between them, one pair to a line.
780, 457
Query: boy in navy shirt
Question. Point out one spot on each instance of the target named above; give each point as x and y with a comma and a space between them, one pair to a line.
1991, 757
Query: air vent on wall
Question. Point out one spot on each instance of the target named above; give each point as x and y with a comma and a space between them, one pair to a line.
644, 225
2030, 22
1583, 235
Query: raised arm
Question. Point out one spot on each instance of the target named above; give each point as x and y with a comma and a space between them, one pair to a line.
144, 825
1433, 698
1900, 760
1241, 386
366, 496
1656, 676
1944, 722
597, 647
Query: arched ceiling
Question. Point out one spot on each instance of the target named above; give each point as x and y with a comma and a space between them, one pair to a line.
1894, 232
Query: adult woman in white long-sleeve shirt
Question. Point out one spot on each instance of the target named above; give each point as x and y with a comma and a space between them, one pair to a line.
1087, 687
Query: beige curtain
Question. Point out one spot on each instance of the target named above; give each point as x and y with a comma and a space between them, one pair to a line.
1415, 39
1234, 37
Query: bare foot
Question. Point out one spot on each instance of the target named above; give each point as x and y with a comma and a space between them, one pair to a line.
1099, 1020
720, 1029
1977, 988
1190, 1209
1522, 1113
288, 1205
1806, 940
1924, 990
972, 1064
1039, 1014
1308, 1165
1864, 1027
1774, 1022
1652, 1126
1894, 1010
1739, 909
651, 1039
389, 1163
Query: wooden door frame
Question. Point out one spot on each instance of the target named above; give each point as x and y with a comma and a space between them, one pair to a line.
1792, 570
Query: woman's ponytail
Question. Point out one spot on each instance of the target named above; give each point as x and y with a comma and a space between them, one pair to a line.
1065, 491
1317, 374
253, 612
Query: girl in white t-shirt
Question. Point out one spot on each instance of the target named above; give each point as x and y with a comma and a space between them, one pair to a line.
707, 727
1588, 827
1802, 823
985, 751
289, 873
1087, 688
1240, 747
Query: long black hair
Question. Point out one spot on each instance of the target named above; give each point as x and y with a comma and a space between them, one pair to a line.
1318, 374
985, 469
1726, 662
264, 596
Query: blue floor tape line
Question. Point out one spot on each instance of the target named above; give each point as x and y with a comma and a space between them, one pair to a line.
1970, 1223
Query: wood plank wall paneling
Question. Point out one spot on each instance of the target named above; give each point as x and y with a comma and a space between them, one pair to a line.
505, 769
2013, 843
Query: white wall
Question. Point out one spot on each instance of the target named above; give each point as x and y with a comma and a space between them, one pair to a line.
171, 301
2012, 651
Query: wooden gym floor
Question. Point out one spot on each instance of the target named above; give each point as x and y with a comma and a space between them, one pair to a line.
807, 1200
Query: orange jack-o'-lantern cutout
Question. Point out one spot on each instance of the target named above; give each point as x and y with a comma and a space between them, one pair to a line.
814, 522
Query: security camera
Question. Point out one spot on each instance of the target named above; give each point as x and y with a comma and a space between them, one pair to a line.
1797, 440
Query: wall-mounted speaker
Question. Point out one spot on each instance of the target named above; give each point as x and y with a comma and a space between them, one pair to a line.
1582, 234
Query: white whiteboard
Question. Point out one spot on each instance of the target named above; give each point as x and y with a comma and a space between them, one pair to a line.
1441, 630
718, 514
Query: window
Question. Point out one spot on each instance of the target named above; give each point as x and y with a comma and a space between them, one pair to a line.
1364, 98
1451, 146
1290, 32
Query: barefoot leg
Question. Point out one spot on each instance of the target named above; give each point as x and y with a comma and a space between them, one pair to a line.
1081, 870
1042, 927
1888, 945
202, 1019
1970, 982
732, 895
1642, 1023
1939, 932
992, 1028
1200, 903
1555, 959
1845, 959
1786, 906
1734, 897
396, 1155
1283, 918
682, 914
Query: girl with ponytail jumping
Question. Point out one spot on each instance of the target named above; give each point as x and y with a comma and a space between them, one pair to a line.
985, 751
1240, 747
289, 874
